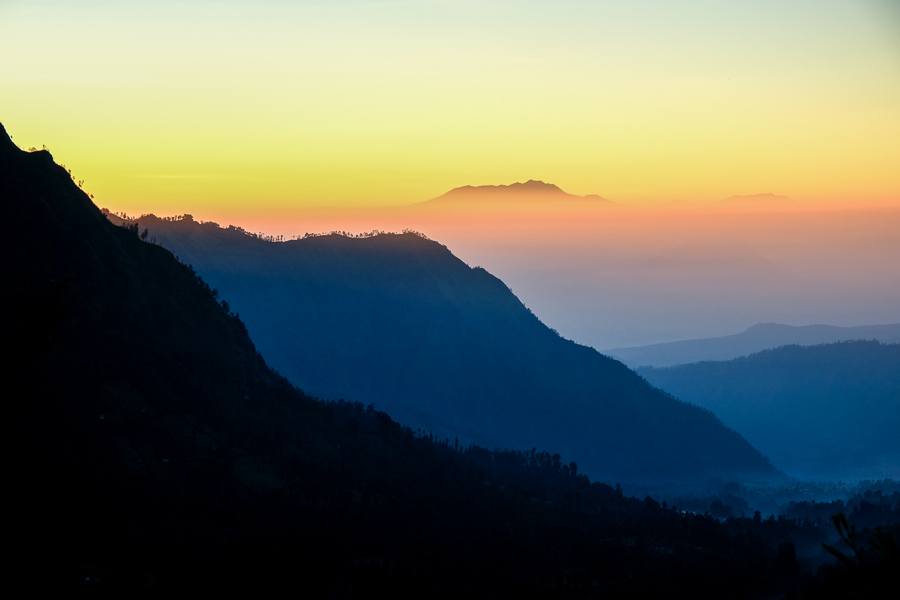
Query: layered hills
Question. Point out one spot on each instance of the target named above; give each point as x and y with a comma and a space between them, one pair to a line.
759, 337
829, 411
396, 320
153, 450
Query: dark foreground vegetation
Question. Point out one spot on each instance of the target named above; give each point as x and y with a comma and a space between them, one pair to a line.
152, 449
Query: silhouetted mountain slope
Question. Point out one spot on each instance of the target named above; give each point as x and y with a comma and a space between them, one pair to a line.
762, 336
397, 321
150, 448
827, 411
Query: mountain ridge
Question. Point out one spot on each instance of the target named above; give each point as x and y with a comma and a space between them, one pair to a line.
398, 318
828, 411
532, 189
156, 451
756, 338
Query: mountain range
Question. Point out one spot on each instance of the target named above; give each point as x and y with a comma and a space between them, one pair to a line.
762, 336
826, 412
396, 320
152, 450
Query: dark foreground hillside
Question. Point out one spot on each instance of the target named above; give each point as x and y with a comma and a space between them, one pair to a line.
151, 449
398, 321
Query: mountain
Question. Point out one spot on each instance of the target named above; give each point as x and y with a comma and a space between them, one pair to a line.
151, 449
396, 320
830, 411
531, 190
762, 336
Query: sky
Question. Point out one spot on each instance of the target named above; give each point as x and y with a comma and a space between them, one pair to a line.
236, 108
292, 116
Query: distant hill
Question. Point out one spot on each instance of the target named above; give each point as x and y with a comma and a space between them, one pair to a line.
150, 449
397, 321
531, 190
827, 411
759, 337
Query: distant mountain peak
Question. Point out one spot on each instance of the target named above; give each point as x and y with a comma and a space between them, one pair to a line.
538, 186
532, 188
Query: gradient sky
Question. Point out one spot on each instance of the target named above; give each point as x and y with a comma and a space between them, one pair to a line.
230, 107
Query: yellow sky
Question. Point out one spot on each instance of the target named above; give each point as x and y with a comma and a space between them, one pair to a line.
225, 108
